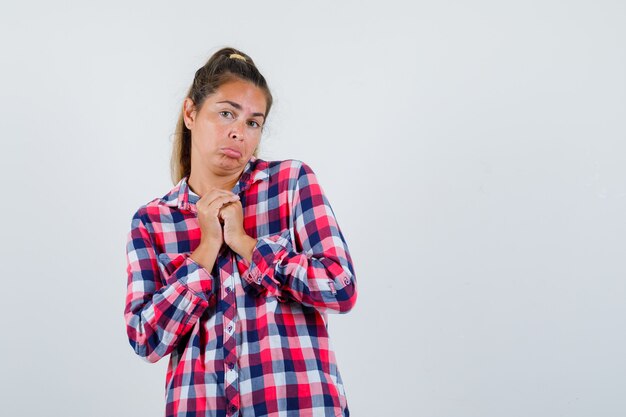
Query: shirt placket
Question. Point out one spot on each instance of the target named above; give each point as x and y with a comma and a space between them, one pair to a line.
231, 371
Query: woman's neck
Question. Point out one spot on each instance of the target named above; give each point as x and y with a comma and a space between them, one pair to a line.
203, 182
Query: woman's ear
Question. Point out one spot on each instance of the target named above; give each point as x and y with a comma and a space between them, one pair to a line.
189, 113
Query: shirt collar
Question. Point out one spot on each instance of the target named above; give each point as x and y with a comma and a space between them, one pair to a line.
183, 198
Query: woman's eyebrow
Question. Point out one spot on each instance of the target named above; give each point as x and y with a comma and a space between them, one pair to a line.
238, 107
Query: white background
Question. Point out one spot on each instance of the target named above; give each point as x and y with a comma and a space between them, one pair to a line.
473, 152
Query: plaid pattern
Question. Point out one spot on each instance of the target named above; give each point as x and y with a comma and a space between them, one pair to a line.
246, 338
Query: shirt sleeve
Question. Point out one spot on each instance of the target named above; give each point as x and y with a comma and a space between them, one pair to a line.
160, 308
316, 270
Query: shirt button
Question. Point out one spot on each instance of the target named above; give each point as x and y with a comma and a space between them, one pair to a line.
228, 290
346, 281
231, 365
230, 328
233, 408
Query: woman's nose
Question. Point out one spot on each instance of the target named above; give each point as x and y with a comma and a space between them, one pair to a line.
237, 131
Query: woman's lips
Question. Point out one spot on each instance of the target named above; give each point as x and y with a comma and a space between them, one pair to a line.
231, 153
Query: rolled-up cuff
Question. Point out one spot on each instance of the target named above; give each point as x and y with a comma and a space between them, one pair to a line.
267, 253
187, 272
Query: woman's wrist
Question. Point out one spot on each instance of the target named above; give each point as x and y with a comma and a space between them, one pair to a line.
244, 246
205, 254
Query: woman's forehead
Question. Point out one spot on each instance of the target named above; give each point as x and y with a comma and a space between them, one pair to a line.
241, 95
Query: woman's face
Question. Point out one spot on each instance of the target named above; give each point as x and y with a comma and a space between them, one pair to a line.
226, 130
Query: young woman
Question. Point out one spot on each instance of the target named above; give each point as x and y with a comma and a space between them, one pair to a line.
233, 271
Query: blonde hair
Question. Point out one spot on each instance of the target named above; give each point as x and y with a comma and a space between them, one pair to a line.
223, 66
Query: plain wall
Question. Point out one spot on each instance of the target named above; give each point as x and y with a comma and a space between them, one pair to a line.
473, 152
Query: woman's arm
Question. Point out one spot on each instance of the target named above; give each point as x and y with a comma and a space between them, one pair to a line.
316, 270
159, 311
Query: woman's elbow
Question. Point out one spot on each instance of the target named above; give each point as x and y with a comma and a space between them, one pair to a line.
346, 297
144, 352
144, 342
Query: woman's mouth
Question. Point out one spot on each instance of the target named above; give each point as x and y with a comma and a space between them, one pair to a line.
232, 153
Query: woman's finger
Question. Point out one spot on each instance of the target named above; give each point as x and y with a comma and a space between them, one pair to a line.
219, 202
214, 194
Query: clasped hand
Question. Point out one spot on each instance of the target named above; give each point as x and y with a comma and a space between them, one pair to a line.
220, 214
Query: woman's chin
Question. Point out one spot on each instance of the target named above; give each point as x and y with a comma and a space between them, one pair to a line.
227, 162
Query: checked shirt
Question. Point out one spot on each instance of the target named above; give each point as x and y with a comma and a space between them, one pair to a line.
246, 338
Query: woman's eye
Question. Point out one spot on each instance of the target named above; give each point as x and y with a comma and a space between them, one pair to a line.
225, 111
254, 123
